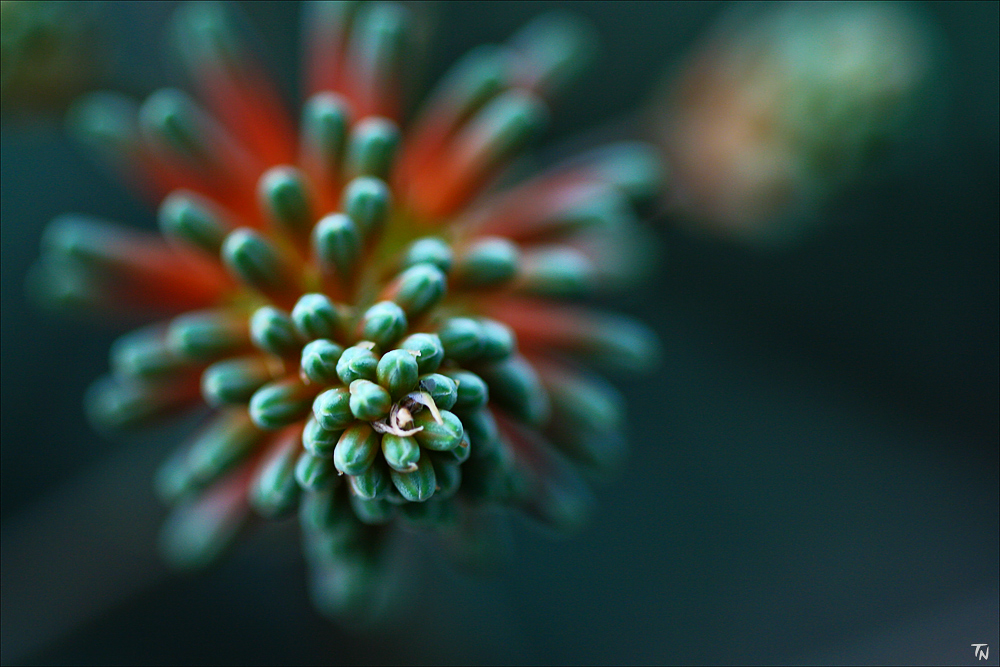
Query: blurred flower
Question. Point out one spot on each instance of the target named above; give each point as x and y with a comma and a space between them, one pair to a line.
777, 112
48, 53
368, 306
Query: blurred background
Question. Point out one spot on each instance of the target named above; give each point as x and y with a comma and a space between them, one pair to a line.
814, 474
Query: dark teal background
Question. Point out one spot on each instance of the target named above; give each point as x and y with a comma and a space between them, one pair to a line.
814, 475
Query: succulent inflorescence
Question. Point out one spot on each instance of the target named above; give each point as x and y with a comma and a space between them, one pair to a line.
369, 308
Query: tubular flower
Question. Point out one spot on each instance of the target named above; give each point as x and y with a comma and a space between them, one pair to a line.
370, 311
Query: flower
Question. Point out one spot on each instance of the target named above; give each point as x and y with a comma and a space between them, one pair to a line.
785, 105
370, 307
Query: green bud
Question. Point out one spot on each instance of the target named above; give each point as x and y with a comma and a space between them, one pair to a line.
515, 385
602, 452
356, 449
383, 323
447, 473
461, 453
499, 341
281, 403
319, 361
336, 242
372, 147
275, 492
226, 441
145, 354
314, 472
372, 483
324, 511
439, 437
324, 129
474, 79
335, 541
635, 168
560, 501
235, 380
430, 348
317, 440
430, 250
173, 121
119, 404
255, 261
332, 409
173, 479
207, 335
589, 401
272, 330
488, 262
503, 126
397, 371
195, 534
416, 486
442, 389
283, 195
373, 512
418, 289
366, 201
587, 415
205, 35
85, 242
487, 478
618, 342
481, 429
185, 217
315, 316
462, 339
560, 47
400, 452
472, 392
558, 271
106, 123
358, 362
369, 401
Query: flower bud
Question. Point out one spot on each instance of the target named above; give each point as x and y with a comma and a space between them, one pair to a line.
372, 483
332, 409
319, 361
472, 392
356, 449
442, 388
430, 250
315, 316
400, 452
319, 441
367, 201
416, 486
369, 401
397, 371
439, 437
383, 323
487, 262
236, 380
357, 363
430, 350
280, 403
272, 330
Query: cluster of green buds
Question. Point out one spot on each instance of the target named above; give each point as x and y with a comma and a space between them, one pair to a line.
372, 315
